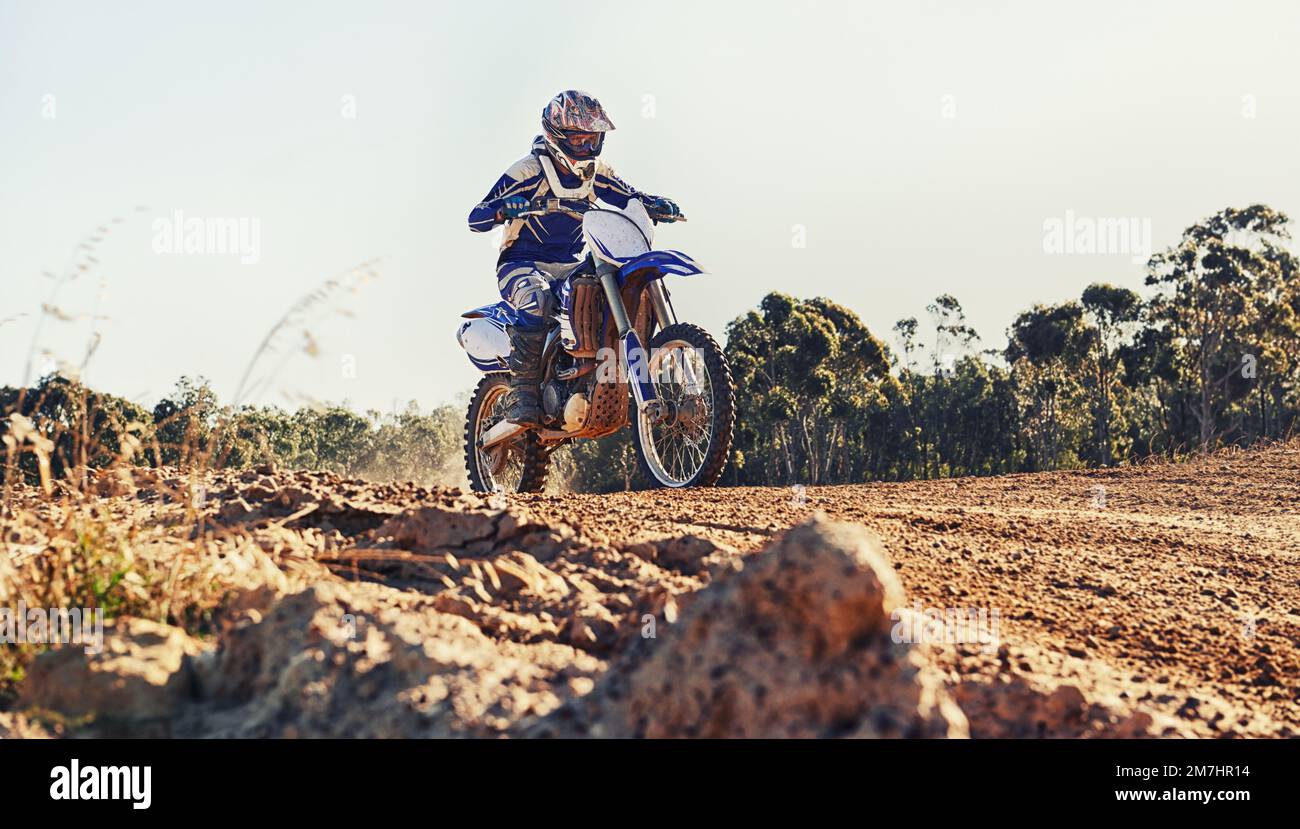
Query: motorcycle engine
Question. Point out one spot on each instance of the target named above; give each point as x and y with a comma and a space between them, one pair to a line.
575, 412
554, 394
563, 407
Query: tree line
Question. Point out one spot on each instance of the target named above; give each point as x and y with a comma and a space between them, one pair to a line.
1208, 357
83, 429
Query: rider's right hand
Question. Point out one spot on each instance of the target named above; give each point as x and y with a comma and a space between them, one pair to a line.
514, 207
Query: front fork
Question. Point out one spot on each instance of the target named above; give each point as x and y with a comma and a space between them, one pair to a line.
632, 353
659, 302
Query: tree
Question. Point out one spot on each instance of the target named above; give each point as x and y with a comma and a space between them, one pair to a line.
803, 368
1225, 294
1112, 311
1046, 347
86, 429
952, 340
183, 422
913, 393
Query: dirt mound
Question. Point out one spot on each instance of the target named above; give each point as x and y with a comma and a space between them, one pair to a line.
523, 580
333, 660
794, 643
134, 686
364, 660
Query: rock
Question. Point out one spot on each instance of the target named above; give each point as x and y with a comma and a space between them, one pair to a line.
113, 482
688, 554
797, 644
648, 552
521, 574
593, 628
436, 529
145, 672
1066, 704
235, 509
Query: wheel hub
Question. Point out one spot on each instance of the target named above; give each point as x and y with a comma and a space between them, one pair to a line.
661, 412
691, 412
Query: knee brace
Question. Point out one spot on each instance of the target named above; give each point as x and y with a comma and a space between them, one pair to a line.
530, 294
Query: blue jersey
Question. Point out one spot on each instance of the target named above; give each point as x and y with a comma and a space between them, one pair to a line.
555, 237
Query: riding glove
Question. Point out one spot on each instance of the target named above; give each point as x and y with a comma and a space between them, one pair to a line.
663, 210
514, 206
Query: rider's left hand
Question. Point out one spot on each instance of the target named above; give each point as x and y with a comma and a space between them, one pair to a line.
663, 210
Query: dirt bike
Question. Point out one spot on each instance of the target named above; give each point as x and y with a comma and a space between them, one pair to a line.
682, 408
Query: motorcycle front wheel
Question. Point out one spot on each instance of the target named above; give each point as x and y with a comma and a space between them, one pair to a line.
683, 440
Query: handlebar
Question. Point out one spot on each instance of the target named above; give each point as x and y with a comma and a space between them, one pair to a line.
542, 207
546, 206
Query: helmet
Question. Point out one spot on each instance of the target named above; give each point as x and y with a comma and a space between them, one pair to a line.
574, 126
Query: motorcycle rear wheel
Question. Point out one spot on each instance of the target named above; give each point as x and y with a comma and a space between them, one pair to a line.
521, 465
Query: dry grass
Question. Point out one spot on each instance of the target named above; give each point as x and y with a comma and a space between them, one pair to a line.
65, 551
151, 555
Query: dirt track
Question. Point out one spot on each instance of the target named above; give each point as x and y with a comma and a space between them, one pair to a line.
1182, 579
1162, 600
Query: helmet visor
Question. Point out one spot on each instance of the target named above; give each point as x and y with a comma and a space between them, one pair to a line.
578, 144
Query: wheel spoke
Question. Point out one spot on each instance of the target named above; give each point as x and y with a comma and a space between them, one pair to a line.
501, 467
677, 450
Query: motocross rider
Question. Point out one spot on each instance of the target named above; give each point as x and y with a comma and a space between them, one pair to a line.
539, 252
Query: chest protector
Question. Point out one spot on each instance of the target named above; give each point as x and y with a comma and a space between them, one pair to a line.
585, 191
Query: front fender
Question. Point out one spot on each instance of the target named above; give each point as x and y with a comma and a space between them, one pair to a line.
664, 262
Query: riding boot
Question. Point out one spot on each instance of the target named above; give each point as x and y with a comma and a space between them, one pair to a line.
525, 375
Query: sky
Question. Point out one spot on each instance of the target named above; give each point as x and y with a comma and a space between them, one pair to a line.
878, 154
